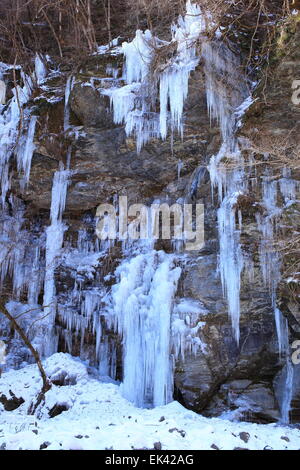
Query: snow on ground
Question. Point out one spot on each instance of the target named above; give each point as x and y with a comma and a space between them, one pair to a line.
99, 418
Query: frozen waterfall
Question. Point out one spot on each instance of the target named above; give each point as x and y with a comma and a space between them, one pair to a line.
142, 303
54, 243
223, 99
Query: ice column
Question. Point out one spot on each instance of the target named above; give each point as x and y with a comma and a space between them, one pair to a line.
54, 242
142, 302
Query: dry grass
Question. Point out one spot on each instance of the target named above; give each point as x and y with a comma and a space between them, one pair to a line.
69, 30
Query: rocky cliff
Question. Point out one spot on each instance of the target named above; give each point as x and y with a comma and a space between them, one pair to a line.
243, 379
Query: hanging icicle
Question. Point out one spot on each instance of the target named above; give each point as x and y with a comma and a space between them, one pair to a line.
54, 243
134, 103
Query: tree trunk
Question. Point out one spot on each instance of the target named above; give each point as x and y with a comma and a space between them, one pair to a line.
46, 383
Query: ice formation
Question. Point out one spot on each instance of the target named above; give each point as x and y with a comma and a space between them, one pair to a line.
186, 328
269, 257
223, 99
2, 91
142, 304
231, 258
54, 243
284, 383
135, 103
270, 261
138, 56
287, 397
9, 131
25, 150
69, 87
41, 71
227, 103
20, 253
155, 328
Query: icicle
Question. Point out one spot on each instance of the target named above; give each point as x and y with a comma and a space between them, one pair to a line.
138, 54
185, 336
226, 93
287, 398
69, 87
224, 98
269, 256
59, 194
9, 129
173, 93
270, 268
143, 126
112, 71
284, 384
179, 168
288, 186
2, 92
54, 243
282, 332
231, 184
26, 149
122, 101
231, 259
19, 254
40, 70
108, 360
35, 277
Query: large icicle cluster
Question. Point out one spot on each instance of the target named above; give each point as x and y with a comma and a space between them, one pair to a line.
224, 97
226, 88
135, 103
186, 328
142, 303
9, 130
20, 253
17, 125
21, 266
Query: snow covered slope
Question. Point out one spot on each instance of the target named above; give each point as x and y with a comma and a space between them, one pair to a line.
98, 417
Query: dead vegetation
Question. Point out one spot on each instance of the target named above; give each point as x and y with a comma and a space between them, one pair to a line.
247, 205
278, 151
68, 30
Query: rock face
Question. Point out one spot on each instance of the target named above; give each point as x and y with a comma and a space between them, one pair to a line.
230, 375
104, 162
227, 377
90, 107
273, 124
